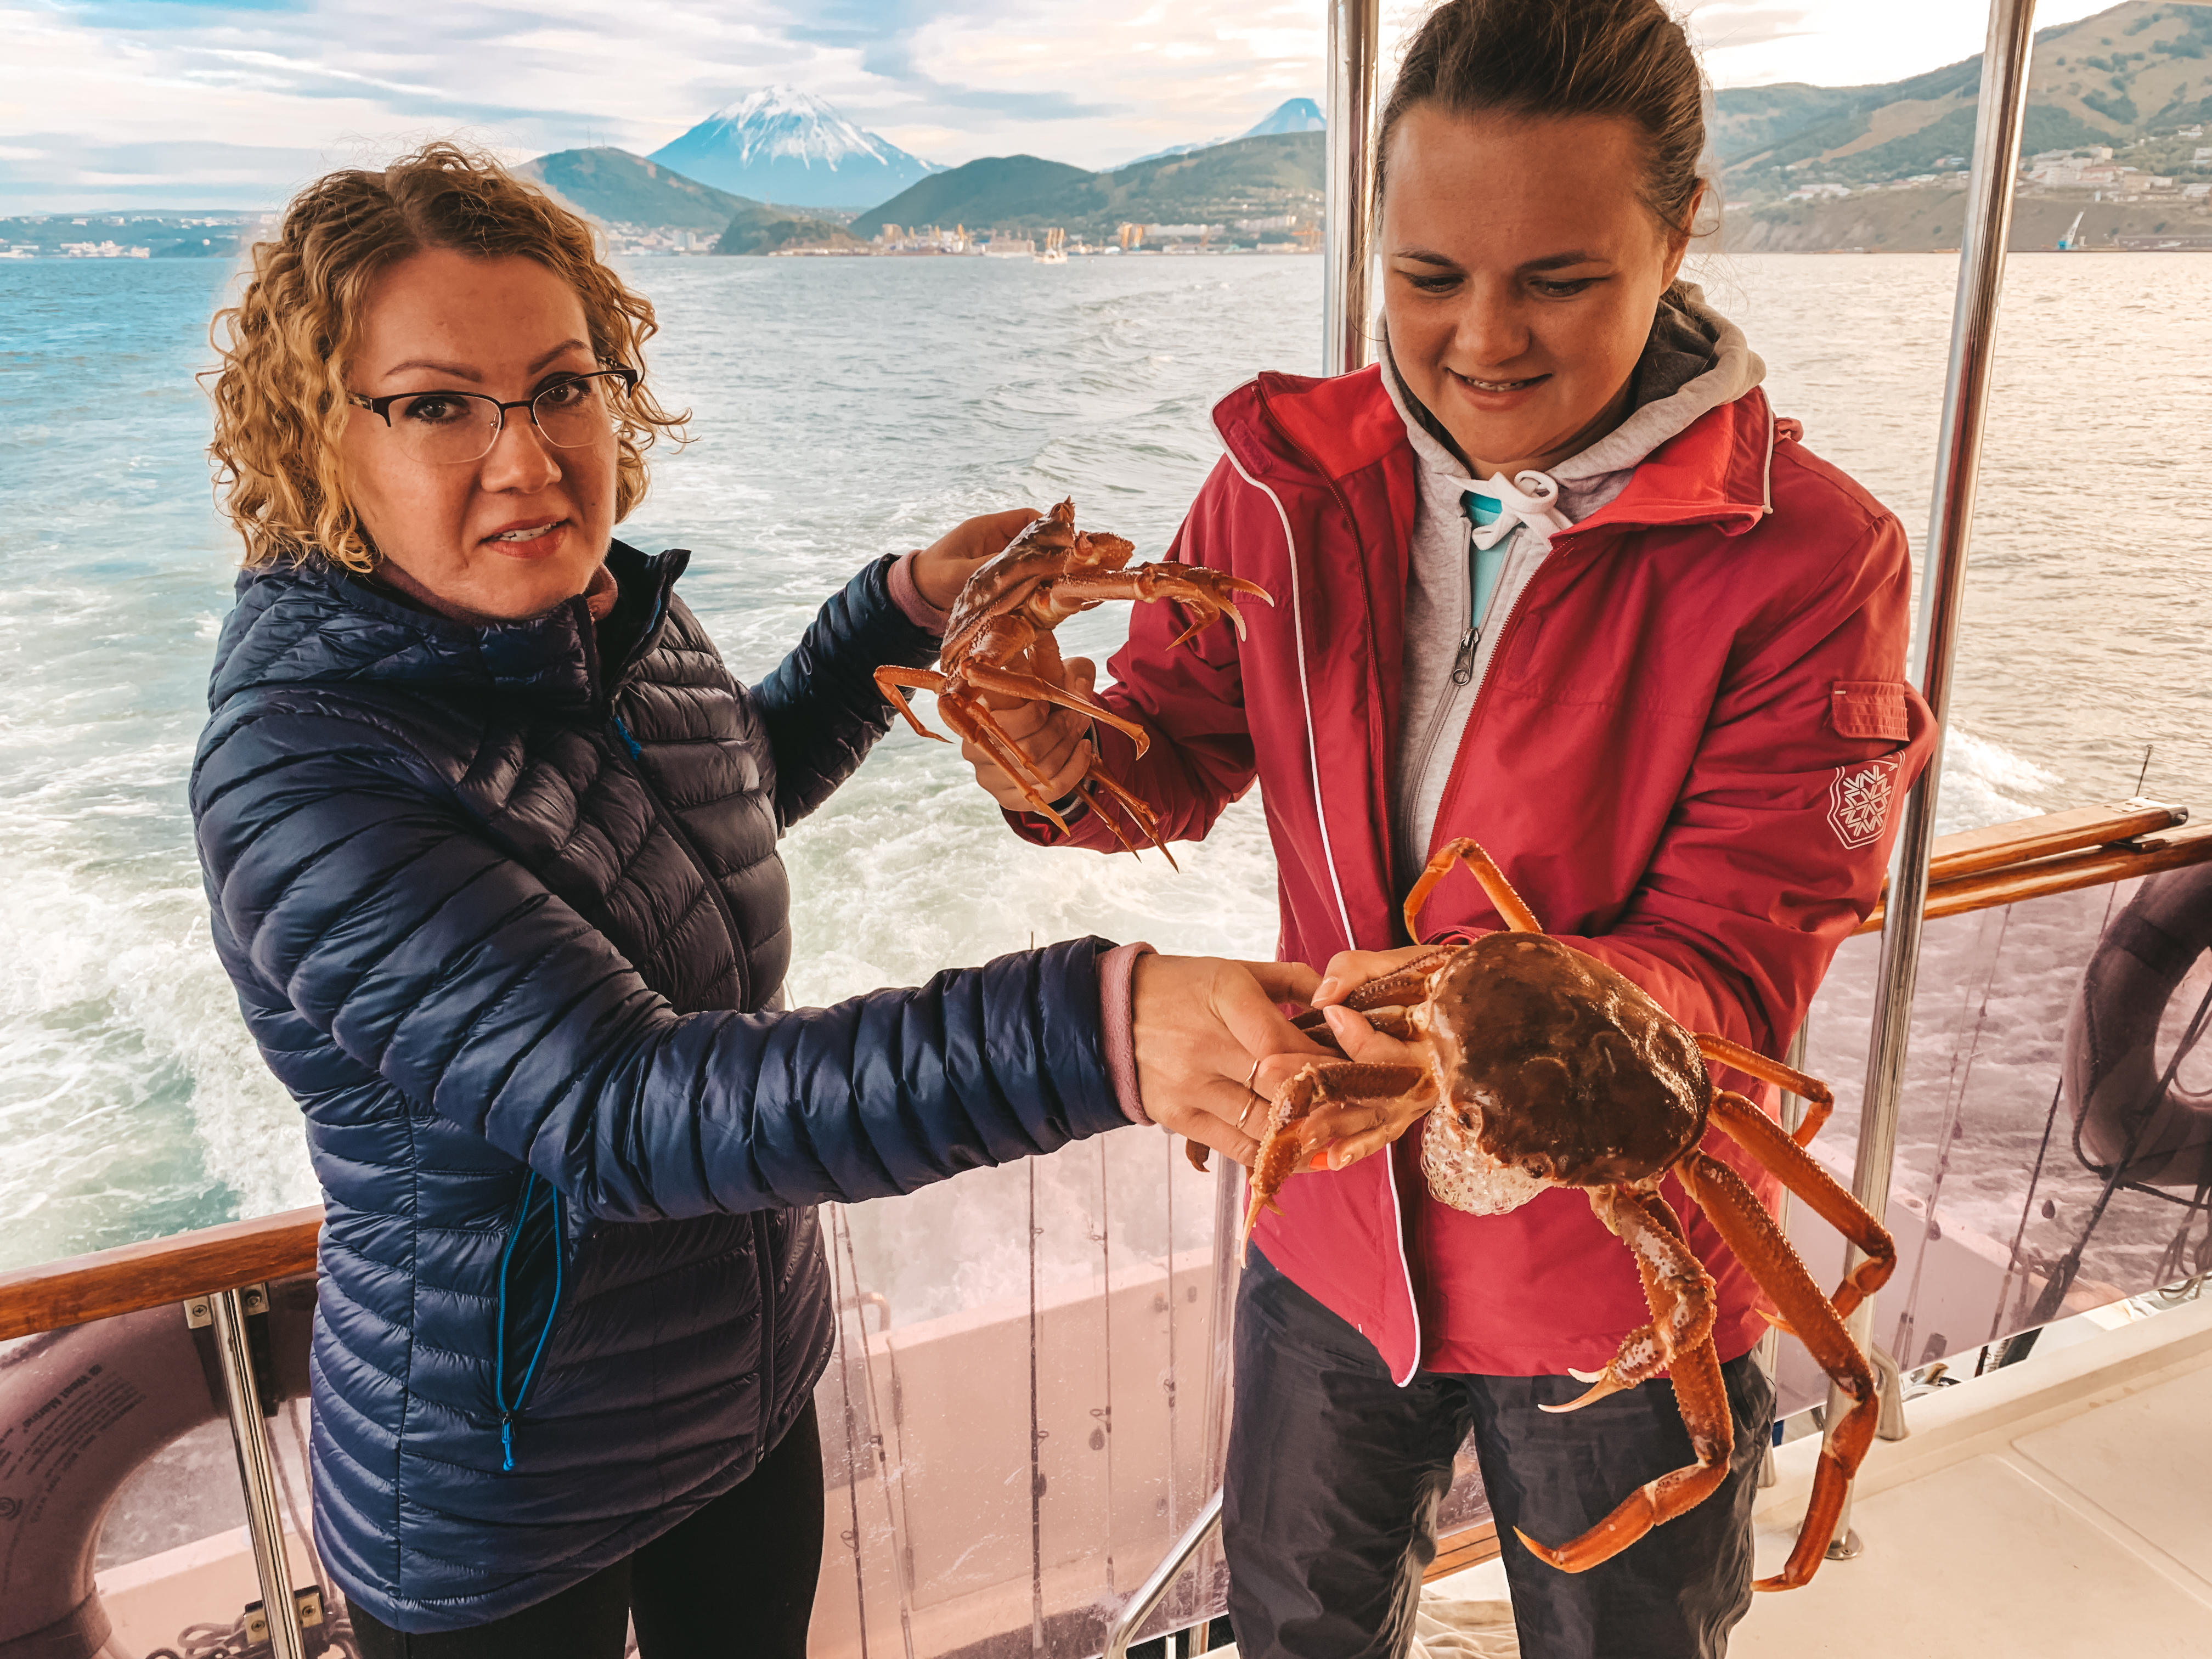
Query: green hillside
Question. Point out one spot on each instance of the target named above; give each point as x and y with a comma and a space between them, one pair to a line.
756, 228
616, 187
2140, 69
1925, 220
1273, 174
997, 190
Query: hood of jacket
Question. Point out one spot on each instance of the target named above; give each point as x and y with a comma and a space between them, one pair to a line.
1695, 360
1716, 469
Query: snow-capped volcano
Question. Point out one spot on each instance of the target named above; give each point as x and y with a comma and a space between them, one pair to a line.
784, 145
1291, 115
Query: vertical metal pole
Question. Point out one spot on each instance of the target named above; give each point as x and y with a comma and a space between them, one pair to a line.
1228, 1216
264, 1522
1355, 42
1228, 1213
1769, 1346
2005, 61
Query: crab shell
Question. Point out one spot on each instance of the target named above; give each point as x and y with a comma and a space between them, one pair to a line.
1044, 548
1552, 1069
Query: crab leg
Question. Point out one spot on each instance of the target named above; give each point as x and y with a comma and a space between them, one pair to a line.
1518, 916
1320, 1084
1207, 592
1763, 1137
1819, 1102
889, 679
973, 723
1645, 1223
1097, 782
985, 677
1676, 1288
1747, 1229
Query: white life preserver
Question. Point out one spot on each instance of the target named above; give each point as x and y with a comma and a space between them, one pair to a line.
80, 1410
2114, 1064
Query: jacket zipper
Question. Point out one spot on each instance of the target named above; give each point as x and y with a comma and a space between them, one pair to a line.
1462, 671
683, 838
509, 1411
764, 1244
661, 813
1474, 714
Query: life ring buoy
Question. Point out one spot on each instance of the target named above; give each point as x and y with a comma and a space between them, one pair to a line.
80, 1410
2113, 1064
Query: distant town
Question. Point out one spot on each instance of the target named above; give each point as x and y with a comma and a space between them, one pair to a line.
2115, 124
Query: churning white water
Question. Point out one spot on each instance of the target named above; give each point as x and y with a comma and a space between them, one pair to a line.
846, 408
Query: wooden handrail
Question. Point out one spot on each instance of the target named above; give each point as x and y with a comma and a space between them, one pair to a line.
2023, 841
1470, 1546
156, 1271
1987, 887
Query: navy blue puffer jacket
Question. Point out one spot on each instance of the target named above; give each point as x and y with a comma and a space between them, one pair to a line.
507, 918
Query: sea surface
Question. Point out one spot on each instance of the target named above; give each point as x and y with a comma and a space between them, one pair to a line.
843, 409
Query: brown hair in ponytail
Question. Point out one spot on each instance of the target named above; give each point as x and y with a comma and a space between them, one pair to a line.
1548, 59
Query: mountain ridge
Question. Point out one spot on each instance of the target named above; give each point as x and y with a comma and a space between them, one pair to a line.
2105, 79
616, 186
1291, 115
1272, 175
781, 144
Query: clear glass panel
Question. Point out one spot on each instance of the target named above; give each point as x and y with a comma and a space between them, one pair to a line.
1037, 1408
2030, 1019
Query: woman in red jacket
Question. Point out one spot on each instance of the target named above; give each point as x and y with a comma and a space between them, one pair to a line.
1553, 576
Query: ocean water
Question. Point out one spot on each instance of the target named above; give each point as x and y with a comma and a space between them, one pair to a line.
846, 408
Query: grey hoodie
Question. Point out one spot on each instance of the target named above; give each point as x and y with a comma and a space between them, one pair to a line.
1695, 360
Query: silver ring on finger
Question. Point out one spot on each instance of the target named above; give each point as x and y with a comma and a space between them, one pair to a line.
1257, 1098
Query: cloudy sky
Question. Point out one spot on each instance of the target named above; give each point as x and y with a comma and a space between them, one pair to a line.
129, 103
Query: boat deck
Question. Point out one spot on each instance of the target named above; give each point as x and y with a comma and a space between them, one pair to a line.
2061, 1507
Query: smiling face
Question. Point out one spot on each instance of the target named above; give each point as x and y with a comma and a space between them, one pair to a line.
1521, 272
523, 529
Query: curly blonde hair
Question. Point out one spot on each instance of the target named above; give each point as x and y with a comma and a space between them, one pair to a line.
280, 395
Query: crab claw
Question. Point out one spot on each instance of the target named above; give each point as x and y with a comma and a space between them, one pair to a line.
1605, 1384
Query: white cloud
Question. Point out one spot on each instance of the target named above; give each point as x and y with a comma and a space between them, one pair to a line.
1842, 43
243, 105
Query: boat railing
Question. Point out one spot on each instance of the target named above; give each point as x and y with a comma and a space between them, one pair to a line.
180, 1268
214, 1274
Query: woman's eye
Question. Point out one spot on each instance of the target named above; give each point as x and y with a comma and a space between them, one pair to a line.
1551, 290
565, 395
439, 409
1428, 283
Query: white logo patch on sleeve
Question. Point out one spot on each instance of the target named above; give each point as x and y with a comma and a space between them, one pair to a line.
1858, 800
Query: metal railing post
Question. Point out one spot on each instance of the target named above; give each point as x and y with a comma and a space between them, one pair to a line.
2005, 61
1768, 1348
1154, 1590
1355, 44
264, 1522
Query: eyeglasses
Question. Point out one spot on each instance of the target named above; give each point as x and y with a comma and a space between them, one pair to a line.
450, 428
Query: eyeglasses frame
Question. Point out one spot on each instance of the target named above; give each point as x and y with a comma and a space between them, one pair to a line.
382, 407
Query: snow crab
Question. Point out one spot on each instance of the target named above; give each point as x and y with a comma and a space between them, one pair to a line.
1000, 641
1541, 1066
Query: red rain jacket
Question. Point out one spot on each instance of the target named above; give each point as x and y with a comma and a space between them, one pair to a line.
1689, 757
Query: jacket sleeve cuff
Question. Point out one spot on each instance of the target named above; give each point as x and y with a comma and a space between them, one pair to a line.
907, 596
1117, 984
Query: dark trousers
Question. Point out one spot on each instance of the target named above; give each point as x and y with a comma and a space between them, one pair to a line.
735, 1577
1336, 1475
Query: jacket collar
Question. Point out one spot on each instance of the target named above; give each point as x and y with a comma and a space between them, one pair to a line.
314, 623
1711, 468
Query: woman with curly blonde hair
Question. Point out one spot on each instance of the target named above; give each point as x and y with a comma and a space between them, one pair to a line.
489, 834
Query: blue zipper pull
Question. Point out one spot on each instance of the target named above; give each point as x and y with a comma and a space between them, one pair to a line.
636, 752
507, 1442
